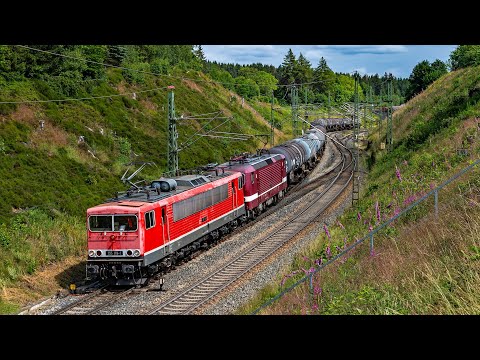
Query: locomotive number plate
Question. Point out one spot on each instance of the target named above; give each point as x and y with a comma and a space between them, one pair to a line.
113, 252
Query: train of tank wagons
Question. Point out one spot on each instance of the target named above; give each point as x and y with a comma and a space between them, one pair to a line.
150, 229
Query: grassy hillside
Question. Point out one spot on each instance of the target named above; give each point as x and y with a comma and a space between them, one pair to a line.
421, 264
49, 178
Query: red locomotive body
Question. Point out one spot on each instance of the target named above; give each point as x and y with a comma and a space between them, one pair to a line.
265, 180
133, 236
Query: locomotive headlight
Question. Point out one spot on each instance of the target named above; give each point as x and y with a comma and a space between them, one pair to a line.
129, 252
136, 253
99, 252
91, 253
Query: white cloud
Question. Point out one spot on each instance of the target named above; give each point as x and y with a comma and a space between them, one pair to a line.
378, 59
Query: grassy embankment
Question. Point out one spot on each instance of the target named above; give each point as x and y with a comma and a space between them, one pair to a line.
421, 264
49, 178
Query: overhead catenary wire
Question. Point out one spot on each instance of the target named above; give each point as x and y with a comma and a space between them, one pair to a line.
84, 98
185, 145
324, 133
145, 72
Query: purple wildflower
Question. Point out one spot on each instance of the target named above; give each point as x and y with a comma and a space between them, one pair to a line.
317, 290
377, 210
326, 230
364, 222
372, 252
397, 173
389, 205
432, 186
409, 200
319, 261
370, 227
328, 252
359, 217
340, 224
314, 307
306, 258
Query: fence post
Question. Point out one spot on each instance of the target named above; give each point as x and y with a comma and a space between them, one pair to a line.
436, 202
371, 244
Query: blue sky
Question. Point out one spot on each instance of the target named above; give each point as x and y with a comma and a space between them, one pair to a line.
370, 59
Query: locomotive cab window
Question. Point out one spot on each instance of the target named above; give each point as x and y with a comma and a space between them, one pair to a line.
252, 177
100, 223
149, 219
125, 223
164, 219
241, 181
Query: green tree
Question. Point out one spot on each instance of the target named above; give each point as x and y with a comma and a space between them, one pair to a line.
223, 76
265, 81
303, 70
287, 69
423, 74
116, 54
324, 79
246, 87
465, 55
437, 69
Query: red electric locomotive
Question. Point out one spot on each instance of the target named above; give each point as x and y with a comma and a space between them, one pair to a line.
265, 179
148, 229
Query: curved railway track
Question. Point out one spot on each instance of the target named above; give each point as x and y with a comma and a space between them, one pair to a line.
197, 294
94, 302
208, 287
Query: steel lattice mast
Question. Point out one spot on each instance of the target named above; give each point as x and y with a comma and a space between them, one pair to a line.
295, 111
389, 136
172, 134
356, 143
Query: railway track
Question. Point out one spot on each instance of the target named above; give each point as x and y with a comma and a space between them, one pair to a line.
94, 302
208, 287
101, 298
293, 194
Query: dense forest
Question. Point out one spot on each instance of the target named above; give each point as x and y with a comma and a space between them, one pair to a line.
319, 84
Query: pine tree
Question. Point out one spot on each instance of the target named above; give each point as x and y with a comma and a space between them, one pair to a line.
304, 71
324, 78
199, 54
287, 69
116, 54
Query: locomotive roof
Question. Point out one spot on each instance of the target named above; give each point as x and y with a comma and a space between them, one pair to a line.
184, 183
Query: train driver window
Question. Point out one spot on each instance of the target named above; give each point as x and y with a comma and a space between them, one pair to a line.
149, 219
241, 181
252, 177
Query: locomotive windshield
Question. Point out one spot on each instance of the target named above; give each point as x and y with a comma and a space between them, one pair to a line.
112, 223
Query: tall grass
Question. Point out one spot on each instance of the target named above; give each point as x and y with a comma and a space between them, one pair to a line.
418, 257
431, 267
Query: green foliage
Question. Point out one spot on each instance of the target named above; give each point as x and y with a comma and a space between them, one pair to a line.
3, 148
125, 146
160, 66
135, 72
222, 76
465, 55
423, 74
246, 87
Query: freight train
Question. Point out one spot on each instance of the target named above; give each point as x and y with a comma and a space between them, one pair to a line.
151, 228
